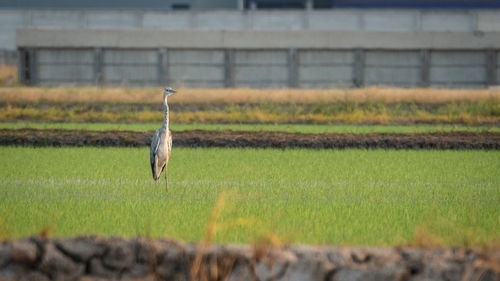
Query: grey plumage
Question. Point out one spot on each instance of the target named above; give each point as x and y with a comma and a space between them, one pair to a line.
161, 145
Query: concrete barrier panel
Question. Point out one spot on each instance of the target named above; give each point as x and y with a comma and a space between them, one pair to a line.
322, 68
196, 68
138, 57
133, 74
458, 69
196, 73
397, 76
195, 57
10, 21
261, 68
196, 83
50, 73
325, 84
458, 58
278, 74
136, 67
325, 73
69, 56
396, 58
334, 20
7, 40
220, 20
115, 20
488, 20
267, 57
457, 74
60, 19
392, 68
447, 21
167, 21
324, 57
390, 21
279, 20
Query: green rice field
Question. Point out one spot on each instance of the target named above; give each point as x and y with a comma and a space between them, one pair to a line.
340, 197
292, 128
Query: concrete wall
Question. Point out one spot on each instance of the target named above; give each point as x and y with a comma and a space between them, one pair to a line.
265, 68
258, 59
345, 19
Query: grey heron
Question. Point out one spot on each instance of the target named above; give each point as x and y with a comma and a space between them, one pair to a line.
161, 145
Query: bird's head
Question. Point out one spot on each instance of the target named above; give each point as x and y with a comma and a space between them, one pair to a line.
169, 91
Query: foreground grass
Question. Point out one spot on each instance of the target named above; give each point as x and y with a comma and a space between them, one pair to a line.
291, 128
355, 197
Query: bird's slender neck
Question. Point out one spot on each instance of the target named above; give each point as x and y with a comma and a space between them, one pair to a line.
165, 108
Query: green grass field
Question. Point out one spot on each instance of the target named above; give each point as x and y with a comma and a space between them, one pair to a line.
292, 128
343, 197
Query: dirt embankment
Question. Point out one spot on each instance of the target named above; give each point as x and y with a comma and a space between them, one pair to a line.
264, 139
102, 258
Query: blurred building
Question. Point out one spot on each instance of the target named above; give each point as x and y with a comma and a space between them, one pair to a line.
253, 43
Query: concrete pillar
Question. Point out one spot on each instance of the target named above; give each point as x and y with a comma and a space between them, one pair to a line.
33, 67
309, 5
292, 68
21, 66
162, 67
229, 68
253, 5
240, 5
425, 68
491, 68
98, 73
166, 62
359, 68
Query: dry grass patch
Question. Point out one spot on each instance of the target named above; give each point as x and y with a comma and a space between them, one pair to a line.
8, 74
190, 95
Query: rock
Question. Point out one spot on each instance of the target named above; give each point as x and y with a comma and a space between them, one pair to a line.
137, 271
242, 273
5, 250
58, 266
23, 252
96, 269
145, 252
120, 255
350, 274
34, 276
81, 248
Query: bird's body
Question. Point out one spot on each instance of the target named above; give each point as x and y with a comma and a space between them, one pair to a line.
161, 145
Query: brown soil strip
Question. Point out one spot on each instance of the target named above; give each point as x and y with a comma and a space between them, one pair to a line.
264, 139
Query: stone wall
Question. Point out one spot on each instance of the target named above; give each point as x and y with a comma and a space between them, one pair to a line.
113, 258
